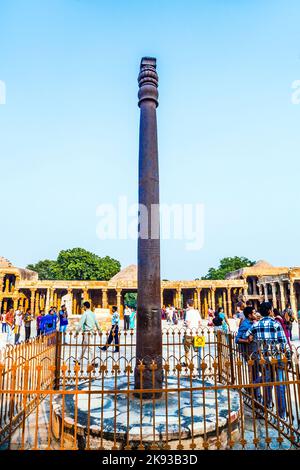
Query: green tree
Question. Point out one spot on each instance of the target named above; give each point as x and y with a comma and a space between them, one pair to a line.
47, 269
130, 299
226, 266
77, 264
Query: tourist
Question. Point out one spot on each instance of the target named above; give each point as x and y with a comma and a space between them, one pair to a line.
27, 318
127, 313
192, 323
175, 317
54, 312
38, 322
279, 318
17, 325
63, 319
87, 324
211, 315
269, 333
239, 315
10, 320
247, 348
3, 321
132, 319
114, 332
220, 321
169, 313
288, 318
48, 323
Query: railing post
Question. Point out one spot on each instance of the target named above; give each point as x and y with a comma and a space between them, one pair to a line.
57, 360
231, 357
219, 353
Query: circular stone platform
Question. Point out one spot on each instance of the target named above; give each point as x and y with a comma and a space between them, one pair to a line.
179, 423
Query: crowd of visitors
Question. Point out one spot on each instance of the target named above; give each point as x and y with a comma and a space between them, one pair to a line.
13, 321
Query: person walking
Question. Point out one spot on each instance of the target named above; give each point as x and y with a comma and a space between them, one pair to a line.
63, 319
17, 325
127, 313
192, 323
27, 322
87, 324
114, 332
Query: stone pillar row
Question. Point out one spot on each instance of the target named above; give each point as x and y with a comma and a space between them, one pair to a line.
209, 299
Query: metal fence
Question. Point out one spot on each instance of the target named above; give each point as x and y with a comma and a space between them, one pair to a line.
65, 392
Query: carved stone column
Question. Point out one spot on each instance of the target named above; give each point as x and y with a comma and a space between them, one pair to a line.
293, 297
16, 299
48, 300
266, 292
119, 296
1, 283
282, 295
224, 303
229, 302
178, 298
213, 298
149, 334
70, 292
274, 294
199, 298
32, 300
37, 303
104, 298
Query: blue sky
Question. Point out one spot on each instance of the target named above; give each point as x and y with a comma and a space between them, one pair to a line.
228, 131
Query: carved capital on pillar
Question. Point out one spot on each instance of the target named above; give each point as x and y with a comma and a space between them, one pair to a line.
148, 81
119, 292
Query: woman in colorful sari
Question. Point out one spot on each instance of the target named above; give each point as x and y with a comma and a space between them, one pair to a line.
132, 319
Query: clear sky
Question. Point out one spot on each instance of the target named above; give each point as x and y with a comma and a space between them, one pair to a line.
228, 130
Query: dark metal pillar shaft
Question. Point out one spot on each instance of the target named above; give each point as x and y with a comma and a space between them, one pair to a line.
149, 336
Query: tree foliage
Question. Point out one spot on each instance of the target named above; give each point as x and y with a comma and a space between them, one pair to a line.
228, 265
77, 264
130, 299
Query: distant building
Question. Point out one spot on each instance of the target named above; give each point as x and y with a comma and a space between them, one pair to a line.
22, 288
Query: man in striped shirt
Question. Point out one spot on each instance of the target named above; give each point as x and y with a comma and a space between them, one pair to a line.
268, 334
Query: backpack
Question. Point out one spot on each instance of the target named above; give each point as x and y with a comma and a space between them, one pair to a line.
217, 321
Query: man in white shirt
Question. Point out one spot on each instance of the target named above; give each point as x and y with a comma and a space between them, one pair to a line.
193, 322
127, 313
